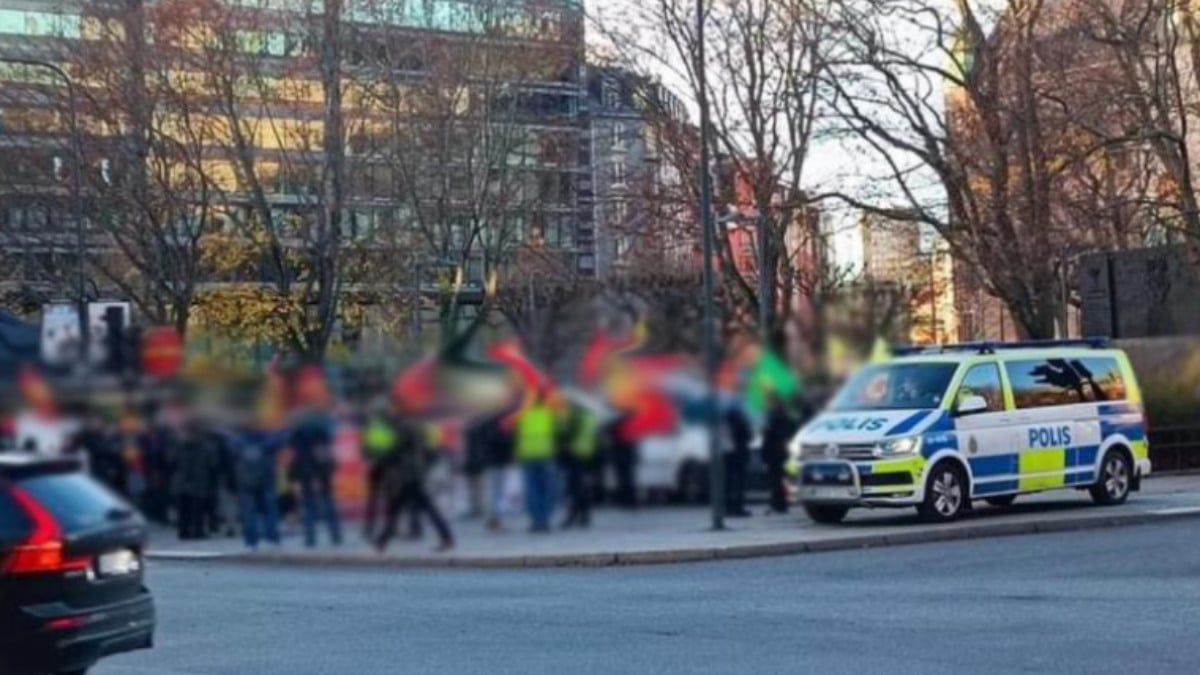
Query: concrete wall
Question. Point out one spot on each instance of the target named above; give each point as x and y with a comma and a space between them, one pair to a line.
1144, 293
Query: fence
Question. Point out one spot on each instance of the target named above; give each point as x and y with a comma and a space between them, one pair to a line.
1174, 449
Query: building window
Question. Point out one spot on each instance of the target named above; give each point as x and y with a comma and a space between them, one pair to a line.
620, 212
618, 140
618, 172
18, 22
611, 94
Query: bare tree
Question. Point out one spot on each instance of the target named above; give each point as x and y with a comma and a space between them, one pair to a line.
1153, 46
765, 81
477, 147
274, 87
150, 199
976, 116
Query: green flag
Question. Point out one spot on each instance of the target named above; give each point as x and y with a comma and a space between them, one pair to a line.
770, 374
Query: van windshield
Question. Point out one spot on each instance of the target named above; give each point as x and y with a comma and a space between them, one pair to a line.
896, 386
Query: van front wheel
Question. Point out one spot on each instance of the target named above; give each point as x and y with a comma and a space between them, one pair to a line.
945, 494
826, 515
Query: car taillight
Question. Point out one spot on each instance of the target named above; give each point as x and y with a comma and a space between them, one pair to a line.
42, 550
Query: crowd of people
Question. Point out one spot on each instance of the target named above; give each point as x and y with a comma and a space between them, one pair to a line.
222, 470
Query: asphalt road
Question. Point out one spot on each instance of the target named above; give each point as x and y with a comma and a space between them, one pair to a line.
1104, 601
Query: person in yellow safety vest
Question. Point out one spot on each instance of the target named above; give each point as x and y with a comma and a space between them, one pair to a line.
580, 439
535, 450
379, 440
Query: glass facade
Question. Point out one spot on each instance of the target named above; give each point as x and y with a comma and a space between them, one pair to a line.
39, 24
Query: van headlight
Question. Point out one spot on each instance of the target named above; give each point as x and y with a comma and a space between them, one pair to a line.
899, 447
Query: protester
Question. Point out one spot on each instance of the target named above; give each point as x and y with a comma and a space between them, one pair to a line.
535, 441
223, 495
780, 426
499, 462
255, 451
623, 456
195, 473
155, 444
98, 442
379, 441
404, 477
479, 439
579, 442
737, 460
312, 470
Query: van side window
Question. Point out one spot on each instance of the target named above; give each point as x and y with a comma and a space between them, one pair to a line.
1049, 382
983, 380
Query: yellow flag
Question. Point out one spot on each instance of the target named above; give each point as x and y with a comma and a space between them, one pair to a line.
880, 352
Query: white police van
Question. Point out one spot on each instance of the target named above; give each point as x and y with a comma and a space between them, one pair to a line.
939, 427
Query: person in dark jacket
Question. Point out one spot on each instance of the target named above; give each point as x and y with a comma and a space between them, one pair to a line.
255, 449
475, 465
577, 452
499, 460
404, 485
98, 442
154, 442
623, 454
737, 459
195, 472
778, 432
312, 469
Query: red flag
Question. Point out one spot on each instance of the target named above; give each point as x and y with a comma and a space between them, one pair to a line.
510, 354
415, 388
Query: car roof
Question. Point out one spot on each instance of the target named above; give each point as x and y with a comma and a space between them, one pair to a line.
1006, 354
15, 464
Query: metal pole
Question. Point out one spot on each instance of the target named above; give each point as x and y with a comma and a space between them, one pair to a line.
77, 208
933, 299
716, 460
1066, 298
765, 280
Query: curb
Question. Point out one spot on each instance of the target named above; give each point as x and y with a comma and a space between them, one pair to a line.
687, 555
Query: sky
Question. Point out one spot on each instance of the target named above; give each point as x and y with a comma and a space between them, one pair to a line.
832, 163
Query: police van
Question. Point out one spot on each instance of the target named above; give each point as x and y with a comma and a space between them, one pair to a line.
936, 428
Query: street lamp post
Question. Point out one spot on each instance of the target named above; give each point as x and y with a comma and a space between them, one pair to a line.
77, 204
765, 279
716, 464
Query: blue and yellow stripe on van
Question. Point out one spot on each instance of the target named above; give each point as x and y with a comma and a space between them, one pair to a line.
1034, 470
1126, 419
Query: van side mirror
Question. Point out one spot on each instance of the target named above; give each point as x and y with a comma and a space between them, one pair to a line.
972, 405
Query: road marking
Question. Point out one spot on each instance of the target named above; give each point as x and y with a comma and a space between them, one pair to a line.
184, 555
1178, 511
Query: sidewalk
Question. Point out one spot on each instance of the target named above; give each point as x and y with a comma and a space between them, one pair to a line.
681, 534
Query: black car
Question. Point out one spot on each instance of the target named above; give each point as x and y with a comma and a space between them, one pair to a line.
71, 569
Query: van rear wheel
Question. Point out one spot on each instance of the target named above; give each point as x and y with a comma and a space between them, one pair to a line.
1115, 480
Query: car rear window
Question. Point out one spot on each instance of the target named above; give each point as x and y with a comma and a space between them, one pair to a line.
76, 501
